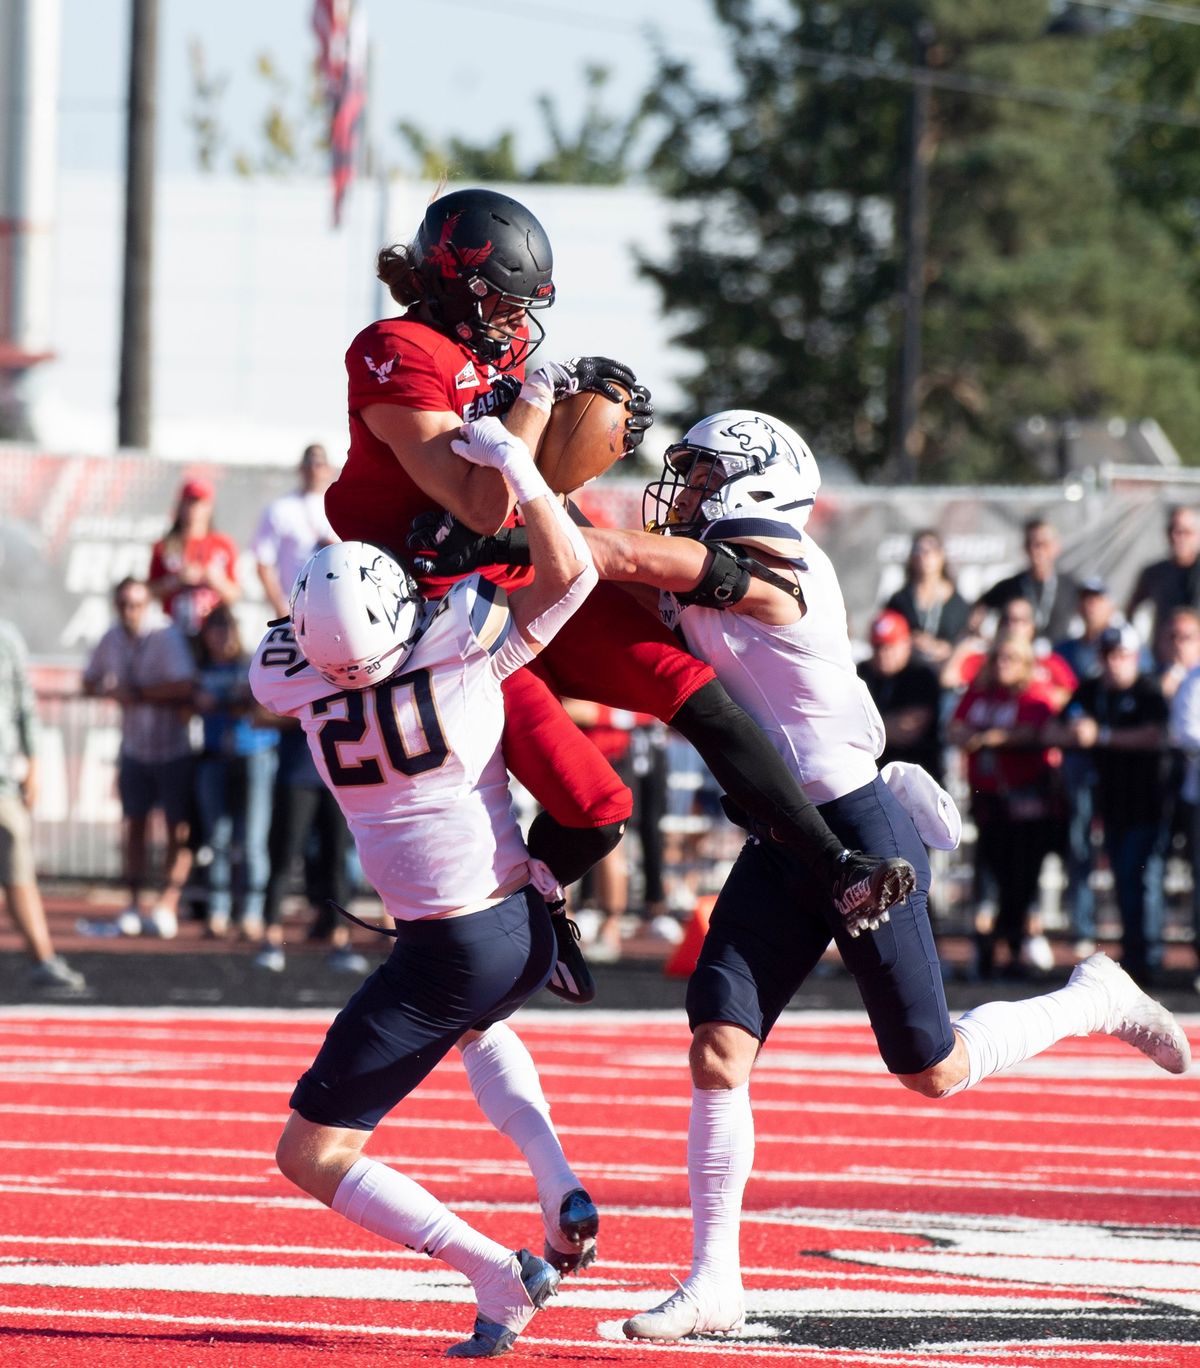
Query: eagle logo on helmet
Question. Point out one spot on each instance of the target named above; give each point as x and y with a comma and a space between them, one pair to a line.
755, 436
450, 260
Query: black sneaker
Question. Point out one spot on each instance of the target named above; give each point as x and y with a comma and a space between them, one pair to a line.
570, 979
578, 1222
866, 886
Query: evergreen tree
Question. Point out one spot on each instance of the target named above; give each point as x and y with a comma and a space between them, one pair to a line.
1048, 287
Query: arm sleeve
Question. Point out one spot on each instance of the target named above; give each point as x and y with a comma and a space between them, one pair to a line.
754, 775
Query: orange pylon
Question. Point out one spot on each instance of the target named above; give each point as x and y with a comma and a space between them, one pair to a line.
687, 952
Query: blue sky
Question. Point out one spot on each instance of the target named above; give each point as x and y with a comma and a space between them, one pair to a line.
450, 66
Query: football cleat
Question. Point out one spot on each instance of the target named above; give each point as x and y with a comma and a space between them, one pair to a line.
866, 886
687, 1312
578, 1222
528, 1283
570, 979
1130, 1015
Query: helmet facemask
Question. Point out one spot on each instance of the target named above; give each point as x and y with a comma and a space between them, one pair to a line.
459, 306
734, 464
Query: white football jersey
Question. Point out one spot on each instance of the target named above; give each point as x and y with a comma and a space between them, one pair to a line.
415, 762
798, 682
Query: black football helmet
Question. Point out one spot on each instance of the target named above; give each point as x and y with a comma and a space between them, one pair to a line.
475, 243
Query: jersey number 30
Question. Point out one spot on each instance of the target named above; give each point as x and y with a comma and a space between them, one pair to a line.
403, 707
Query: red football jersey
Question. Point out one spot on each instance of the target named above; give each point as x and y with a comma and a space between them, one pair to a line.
189, 605
400, 361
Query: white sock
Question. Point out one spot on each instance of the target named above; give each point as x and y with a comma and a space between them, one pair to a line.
387, 1203
505, 1082
998, 1035
720, 1157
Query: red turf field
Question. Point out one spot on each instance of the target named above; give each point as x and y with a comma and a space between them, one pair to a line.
1049, 1217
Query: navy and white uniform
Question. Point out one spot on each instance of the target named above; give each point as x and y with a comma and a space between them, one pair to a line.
772, 921
415, 764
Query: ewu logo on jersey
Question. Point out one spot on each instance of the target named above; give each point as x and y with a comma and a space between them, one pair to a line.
382, 371
467, 378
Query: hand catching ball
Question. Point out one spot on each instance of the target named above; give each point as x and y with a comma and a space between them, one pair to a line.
585, 435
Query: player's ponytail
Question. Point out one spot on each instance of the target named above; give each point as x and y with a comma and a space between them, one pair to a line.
394, 266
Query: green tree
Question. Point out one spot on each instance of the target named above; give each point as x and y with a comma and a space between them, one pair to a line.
292, 132
1047, 288
459, 159
600, 150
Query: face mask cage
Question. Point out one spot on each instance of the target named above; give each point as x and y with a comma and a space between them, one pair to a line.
679, 463
495, 342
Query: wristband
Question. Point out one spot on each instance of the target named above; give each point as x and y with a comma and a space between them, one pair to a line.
538, 390
525, 479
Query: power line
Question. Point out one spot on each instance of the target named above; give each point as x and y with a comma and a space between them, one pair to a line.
1147, 9
868, 68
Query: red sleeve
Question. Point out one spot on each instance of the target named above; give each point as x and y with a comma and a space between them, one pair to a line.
229, 550
1061, 674
385, 364
971, 665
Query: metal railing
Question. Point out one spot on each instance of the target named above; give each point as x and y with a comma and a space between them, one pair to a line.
77, 833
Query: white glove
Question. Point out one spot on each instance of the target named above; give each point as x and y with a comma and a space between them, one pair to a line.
487, 442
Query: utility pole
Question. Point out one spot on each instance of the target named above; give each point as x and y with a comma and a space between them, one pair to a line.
916, 239
133, 394
29, 90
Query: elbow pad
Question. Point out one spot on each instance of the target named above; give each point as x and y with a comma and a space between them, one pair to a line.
725, 583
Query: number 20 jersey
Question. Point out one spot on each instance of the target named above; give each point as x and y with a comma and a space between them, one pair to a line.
414, 761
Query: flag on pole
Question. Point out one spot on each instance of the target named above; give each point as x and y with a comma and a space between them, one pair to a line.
341, 29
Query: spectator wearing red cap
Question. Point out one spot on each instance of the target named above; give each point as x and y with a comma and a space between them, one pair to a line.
194, 567
906, 692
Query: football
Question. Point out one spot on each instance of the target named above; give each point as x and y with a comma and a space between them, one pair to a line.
585, 435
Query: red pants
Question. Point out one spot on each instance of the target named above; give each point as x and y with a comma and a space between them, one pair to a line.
611, 651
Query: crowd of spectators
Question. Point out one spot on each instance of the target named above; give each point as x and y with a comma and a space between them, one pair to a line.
1066, 730
236, 790
1037, 701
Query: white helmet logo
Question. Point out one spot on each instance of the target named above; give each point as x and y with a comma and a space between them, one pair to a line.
755, 435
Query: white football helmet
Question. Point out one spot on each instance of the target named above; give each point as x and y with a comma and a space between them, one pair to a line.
736, 462
356, 613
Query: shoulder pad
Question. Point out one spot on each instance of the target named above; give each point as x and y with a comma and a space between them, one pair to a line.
771, 535
488, 612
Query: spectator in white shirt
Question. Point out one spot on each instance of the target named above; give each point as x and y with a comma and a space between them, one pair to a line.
292, 527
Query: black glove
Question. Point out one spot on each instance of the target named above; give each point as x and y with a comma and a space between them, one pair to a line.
445, 546
505, 389
641, 417
592, 373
